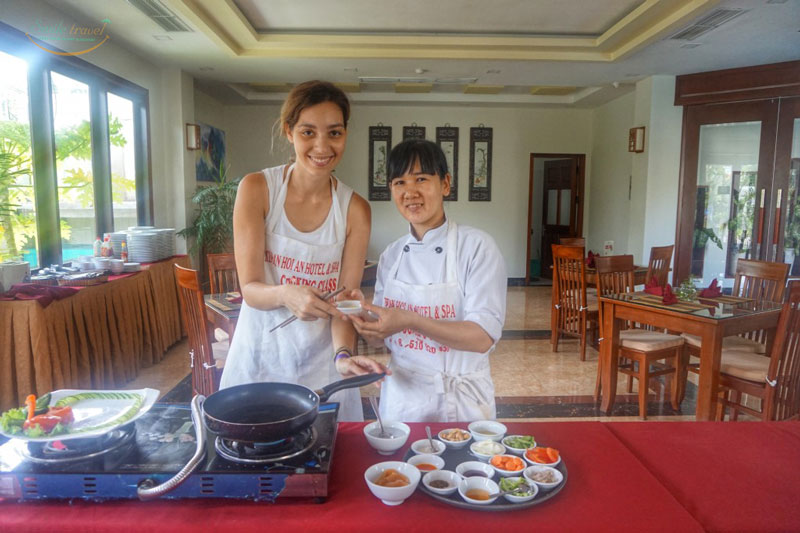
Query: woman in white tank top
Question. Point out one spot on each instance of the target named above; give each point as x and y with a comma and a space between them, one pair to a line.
298, 233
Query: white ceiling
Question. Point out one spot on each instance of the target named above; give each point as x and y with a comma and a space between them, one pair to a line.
768, 32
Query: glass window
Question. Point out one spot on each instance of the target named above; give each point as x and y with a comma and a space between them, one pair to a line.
71, 116
123, 168
17, 206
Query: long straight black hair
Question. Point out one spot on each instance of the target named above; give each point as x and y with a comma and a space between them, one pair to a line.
403, 156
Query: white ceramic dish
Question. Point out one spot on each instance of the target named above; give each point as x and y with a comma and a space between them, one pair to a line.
96, 412
387, 446
534, 490
480, 483
508, 473
349, 307
392, 495
117, 266
427, 458
468, 467
534, 463
455, 444
424, 446
487, 430
511, 449
450, 477
543, 486
496, 448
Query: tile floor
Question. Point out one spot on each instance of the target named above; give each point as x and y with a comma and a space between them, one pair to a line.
531, 381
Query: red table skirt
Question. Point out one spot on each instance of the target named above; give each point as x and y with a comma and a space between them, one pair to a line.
608, 489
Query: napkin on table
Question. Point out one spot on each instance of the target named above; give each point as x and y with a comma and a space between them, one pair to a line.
669, 297
652, 287
712, 291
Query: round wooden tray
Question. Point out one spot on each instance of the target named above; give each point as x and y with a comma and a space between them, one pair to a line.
452, 458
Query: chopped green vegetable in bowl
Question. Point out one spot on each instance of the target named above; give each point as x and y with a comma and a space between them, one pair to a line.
516, 484
520, 442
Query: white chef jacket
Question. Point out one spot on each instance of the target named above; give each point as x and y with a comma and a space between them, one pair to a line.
481, 272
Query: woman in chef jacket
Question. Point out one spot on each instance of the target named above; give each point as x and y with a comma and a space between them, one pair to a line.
440, 300
298, 233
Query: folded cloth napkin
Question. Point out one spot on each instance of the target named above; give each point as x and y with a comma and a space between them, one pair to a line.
652, 287
590, 259
234, 297
669, 297
43, 294
712, 291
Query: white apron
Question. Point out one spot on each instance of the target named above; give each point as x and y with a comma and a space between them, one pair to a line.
431, 382
301, 352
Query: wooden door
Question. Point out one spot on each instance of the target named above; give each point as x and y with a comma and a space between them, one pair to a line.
559, 213
726, 170
786, 246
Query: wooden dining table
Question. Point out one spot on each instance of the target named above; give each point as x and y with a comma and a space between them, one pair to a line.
222, 310
711, 319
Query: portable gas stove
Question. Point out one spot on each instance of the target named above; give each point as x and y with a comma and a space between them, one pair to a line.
158, 445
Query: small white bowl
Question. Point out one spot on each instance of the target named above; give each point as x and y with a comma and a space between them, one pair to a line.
511, 449
101, 263
543, 486
349, 307
426, 458
387, 446
455, 444
392, 495
534, 463
497, 448
450, 477
522, 499
468, 469
424, 446
117, 265
481, 483
508, 473
487, 430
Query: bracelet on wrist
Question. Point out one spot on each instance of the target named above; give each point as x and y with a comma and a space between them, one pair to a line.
342, 353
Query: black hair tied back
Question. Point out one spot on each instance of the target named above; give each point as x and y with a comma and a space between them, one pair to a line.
403, 156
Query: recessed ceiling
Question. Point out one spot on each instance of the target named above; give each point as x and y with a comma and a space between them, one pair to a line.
547, 52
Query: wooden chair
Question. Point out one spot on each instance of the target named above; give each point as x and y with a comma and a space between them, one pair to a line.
222, 273
660, 258
759, 280
571, 311
573, 241
775, 380
206, 357
639, 349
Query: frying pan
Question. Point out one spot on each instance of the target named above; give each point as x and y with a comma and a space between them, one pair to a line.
255, 412
265, 412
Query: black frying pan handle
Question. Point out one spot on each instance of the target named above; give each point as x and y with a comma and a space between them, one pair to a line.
349, 383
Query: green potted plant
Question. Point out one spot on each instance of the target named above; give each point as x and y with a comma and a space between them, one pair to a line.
212, 229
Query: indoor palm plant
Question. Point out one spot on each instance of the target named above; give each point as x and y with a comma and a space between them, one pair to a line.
212, 229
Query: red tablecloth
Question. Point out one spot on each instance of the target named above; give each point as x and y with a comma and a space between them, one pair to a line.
608, 489
731, 477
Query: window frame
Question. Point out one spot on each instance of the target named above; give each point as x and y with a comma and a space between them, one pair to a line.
100, 82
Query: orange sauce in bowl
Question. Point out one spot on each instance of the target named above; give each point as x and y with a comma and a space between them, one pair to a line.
391, 478
478, 494
425, 467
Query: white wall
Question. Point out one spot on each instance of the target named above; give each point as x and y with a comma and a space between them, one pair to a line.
609, 218
517, 133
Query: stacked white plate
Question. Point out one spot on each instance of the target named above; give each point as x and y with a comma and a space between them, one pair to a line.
166, 242
131, 267
143, 246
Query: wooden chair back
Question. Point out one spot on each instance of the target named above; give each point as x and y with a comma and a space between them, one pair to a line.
573, 241
569, 287
783, 376
222, 273
205, 378
658, 267
760, 280
614, 276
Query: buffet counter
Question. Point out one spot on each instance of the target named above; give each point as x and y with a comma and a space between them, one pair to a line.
650, 476
98, 338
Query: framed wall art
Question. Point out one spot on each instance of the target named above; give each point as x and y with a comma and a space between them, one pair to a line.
413, 132
380, 142
209, 165
447, 139
480, 164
